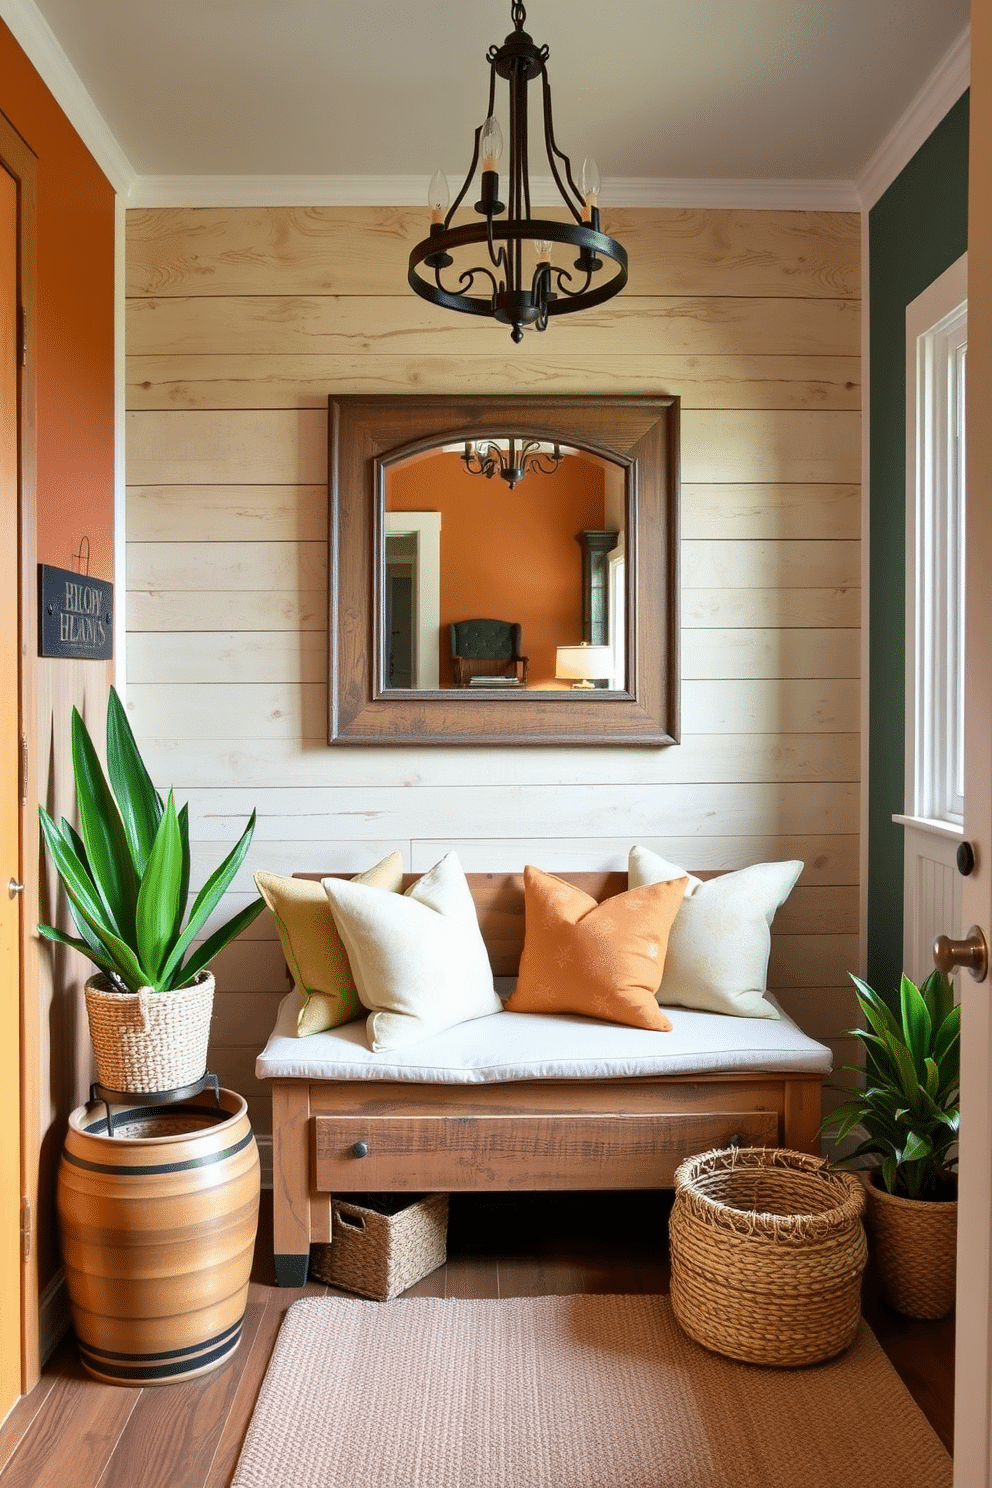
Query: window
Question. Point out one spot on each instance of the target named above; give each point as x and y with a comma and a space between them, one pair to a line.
936, 348
936, 356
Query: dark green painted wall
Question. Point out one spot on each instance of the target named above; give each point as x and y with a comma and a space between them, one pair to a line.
916, 230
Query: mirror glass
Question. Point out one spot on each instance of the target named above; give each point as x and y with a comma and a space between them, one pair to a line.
540, 547
466, 608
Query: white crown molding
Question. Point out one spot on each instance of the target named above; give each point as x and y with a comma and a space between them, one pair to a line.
279, 191
939, 93
411, 191
757, 195
942, 89
36, 38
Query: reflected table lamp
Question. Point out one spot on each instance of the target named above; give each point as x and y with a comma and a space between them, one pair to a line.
584, 665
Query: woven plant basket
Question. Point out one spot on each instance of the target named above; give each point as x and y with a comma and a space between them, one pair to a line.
147, 1041
914, 1245
767, 1251
381, 1244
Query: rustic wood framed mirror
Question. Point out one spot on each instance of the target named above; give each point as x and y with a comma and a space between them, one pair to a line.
594, 561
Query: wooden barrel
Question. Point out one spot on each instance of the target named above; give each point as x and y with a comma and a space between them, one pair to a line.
158, 1226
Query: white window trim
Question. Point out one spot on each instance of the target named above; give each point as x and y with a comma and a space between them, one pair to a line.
616, 615
932, 324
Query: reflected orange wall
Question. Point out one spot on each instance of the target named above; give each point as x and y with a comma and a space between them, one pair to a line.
74, 337
508, 555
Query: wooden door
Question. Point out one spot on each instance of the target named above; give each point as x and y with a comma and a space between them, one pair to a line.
973, 1365
20, 1032
10, 856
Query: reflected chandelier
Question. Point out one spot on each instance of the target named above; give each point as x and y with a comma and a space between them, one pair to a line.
486, 457
522, 289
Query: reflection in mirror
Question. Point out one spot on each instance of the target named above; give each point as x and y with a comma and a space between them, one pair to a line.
412, 598
538, 553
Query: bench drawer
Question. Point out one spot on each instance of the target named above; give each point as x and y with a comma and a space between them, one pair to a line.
449, 1153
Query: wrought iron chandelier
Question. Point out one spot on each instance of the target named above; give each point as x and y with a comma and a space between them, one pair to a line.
486, 457
522, 290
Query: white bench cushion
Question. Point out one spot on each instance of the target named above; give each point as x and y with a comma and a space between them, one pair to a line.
536, 1046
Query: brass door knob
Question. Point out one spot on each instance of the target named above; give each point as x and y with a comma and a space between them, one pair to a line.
972, 953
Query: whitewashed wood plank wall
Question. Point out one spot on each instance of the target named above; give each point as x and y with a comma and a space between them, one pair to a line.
240, 322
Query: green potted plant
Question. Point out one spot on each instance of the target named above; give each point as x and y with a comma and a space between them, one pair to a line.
908, 1115
126, 875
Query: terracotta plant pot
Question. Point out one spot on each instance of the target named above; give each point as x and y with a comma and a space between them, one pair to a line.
914, 1243
148, 1041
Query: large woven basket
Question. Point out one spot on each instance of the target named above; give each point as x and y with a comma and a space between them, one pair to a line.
768, 1250
147, 1041
914, 1246
381, 1244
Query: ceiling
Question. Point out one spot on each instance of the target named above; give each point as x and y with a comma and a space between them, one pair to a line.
704, 89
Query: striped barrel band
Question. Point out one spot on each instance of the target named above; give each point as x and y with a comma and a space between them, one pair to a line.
169, 1362
131, 1170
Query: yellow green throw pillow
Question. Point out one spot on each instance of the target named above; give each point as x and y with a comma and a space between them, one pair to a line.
314, 951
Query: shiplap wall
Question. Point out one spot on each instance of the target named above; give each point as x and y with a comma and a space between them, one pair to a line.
240, 322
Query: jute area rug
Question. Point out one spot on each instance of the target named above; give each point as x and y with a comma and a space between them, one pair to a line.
566, 1392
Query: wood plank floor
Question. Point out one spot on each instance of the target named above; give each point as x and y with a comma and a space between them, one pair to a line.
72, 1432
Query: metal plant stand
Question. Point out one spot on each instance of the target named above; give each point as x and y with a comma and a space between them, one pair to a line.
151, 1097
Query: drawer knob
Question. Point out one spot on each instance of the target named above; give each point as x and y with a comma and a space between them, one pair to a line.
360, 1149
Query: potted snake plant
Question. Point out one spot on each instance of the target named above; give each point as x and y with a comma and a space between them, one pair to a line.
126, 876
907, 1114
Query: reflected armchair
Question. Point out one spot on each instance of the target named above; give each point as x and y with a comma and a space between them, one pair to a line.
486, 648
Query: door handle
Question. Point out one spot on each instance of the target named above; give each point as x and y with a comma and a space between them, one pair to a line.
972, 953
14, 888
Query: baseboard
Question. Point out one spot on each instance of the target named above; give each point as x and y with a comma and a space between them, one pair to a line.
53, 1316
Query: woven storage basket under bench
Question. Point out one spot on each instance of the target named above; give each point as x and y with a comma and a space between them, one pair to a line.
383, 1243
768, 1249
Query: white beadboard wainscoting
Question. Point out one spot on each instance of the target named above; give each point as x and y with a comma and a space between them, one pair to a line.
242, 321
931, 891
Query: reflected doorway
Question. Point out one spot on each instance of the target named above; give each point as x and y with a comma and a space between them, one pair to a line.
412, 591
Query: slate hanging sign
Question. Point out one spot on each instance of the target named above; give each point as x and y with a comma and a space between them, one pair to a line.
77, 613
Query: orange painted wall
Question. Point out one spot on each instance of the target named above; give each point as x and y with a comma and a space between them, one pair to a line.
72, 346
508, 555
74, 337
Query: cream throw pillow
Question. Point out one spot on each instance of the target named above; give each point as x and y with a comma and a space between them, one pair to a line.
315, 955
419, 960
719, 944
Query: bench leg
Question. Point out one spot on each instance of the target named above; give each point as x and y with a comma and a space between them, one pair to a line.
802, 1114
290, 1181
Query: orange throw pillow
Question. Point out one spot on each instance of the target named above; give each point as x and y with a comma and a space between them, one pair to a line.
605, 960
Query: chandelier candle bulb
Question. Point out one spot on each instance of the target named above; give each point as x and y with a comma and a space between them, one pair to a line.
438, 196
491, 144
592, 184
